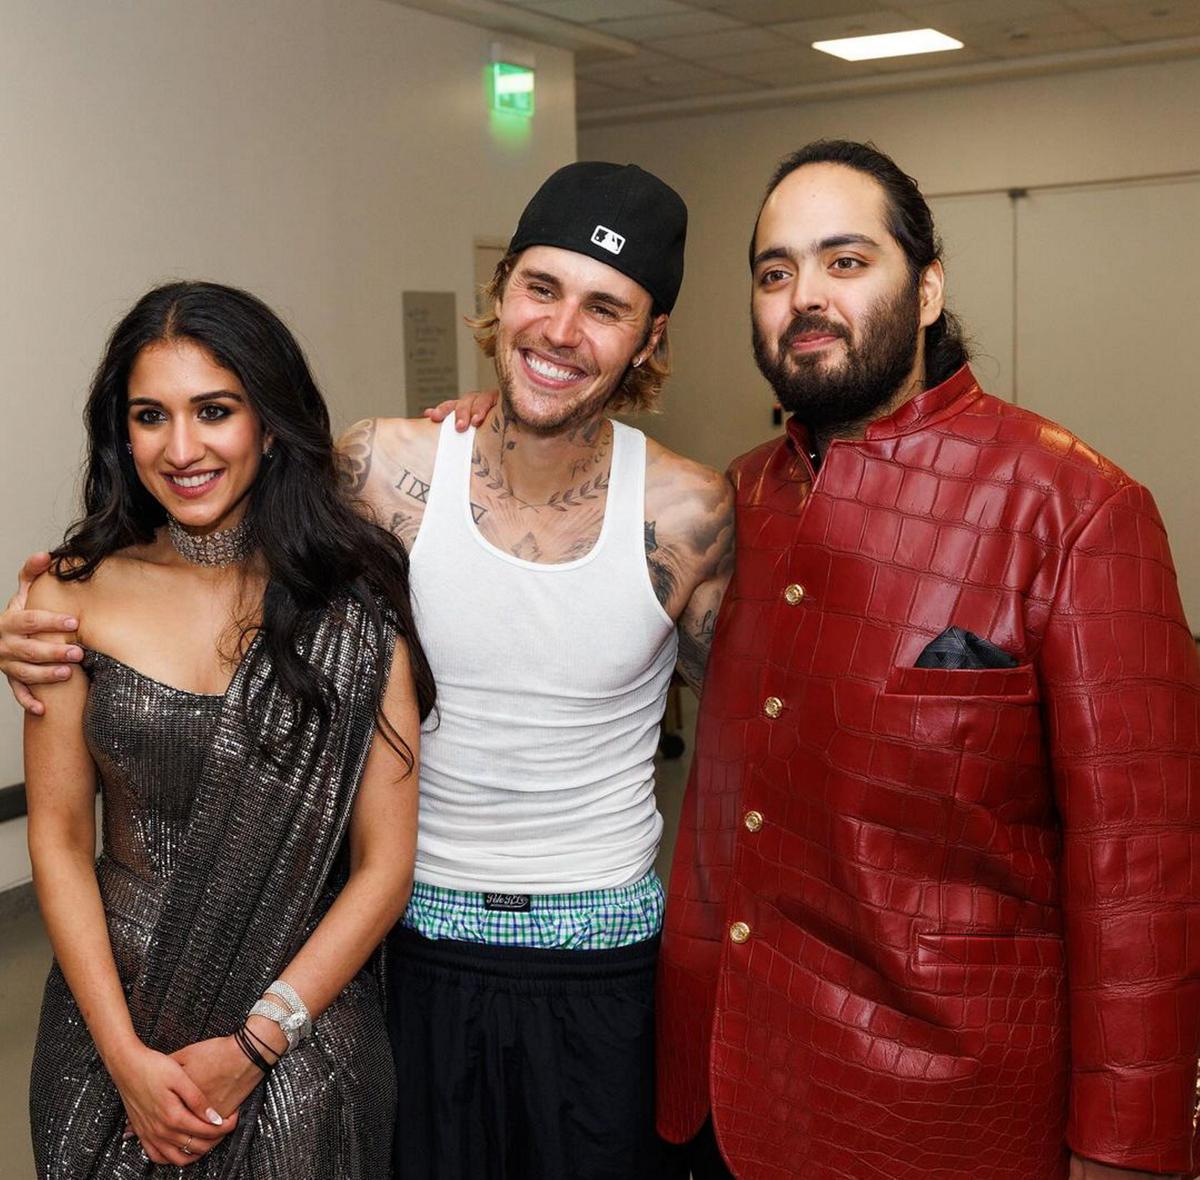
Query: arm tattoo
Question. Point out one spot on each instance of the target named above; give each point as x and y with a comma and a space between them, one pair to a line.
662, 564
711, 542
694, 646
353, 456
662, 580
404, 526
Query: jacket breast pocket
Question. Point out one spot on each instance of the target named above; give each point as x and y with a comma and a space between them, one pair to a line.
1016, 684
974, 734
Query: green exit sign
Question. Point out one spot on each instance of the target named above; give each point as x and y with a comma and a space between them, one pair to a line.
512, 89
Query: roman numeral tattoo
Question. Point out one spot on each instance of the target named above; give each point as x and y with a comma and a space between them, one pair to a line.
411, 486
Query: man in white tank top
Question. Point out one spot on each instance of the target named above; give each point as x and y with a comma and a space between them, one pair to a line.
560, 561
554, 554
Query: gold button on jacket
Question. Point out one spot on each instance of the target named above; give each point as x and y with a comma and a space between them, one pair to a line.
753, 820
739, 932
772, 706
794, 594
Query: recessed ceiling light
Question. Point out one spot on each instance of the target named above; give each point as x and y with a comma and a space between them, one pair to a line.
888, 45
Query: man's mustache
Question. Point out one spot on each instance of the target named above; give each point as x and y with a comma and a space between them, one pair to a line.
808, 322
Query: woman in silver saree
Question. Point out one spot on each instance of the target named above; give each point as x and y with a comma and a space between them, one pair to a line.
250, 713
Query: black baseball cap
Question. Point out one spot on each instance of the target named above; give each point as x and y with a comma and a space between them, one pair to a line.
618, 214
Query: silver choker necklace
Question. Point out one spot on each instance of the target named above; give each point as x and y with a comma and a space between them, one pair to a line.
211, 549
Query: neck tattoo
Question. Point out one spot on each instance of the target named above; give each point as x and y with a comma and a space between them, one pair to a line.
212, 549
590, 439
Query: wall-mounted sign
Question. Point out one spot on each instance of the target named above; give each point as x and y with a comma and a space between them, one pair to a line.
430, 349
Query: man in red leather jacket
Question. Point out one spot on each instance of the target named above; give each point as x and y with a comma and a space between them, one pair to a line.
930, 918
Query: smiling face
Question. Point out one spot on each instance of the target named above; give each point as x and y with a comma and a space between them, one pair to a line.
837, 314
568, 329
196, 441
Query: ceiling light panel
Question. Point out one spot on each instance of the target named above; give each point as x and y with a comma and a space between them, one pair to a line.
888, 45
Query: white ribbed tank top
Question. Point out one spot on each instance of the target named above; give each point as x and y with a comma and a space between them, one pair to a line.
551, 682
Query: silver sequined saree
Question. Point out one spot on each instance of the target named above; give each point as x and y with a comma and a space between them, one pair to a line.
216, 865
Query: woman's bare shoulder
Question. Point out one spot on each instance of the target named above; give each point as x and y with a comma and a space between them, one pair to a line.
58, 590
55, 593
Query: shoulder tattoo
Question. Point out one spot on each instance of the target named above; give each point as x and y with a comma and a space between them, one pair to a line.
354, 456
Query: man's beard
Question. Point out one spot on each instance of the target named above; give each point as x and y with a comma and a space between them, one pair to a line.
869, 376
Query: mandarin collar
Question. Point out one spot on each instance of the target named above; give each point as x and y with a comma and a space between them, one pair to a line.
915, 414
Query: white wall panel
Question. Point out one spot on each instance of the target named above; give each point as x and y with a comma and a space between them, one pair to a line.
978, 251
1108, 298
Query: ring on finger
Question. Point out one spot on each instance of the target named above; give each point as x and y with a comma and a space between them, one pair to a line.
187, 1146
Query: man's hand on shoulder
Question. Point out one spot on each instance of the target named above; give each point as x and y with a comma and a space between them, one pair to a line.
37, 631
386, 465
689, 549
469, 410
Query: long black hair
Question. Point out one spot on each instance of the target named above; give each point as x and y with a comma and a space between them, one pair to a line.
910, 222
315, 547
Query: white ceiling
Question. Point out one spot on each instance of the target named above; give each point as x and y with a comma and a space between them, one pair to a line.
637, 58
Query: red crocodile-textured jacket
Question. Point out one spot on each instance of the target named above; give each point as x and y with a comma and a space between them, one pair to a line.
928, 924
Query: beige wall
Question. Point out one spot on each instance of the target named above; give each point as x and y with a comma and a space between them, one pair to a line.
326, 154
1091, 288
1134, 121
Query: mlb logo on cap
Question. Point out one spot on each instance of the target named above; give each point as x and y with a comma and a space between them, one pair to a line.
608, 239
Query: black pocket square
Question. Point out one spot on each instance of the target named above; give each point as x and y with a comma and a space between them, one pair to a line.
956, 648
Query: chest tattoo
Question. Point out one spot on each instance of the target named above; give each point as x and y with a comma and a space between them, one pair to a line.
562, 526
413, 487
527, 548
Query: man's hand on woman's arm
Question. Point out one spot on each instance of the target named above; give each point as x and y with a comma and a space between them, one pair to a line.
25, 658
